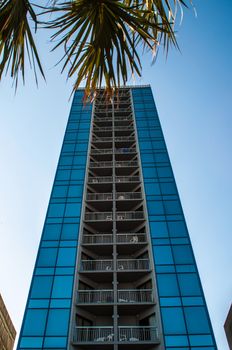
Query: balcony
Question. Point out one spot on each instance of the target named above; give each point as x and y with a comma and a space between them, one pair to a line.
105, 335
102, 139
126, 179
100, 180
100, 164
132, 163
99, 197
93, 335
120, 196
130, 215
95, 151
138, 334
99, 216
97, 239
131, 238
135, 296
96, 265
133, 264
102, 296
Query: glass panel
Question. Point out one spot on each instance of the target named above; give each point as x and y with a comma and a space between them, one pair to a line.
34, 323
173, 321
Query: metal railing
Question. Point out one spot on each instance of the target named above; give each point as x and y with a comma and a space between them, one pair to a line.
103, 179
124, 128
99, 216
135, 296
102, 139
127, 179
125, 150
132, 238
105, 128
101, 164
138, 334
126, 164
101, 151
133, 264
124, 118
97, 239
129, 215
128, 195
99, 196
95, 296
96, 265
124, 138
93, 334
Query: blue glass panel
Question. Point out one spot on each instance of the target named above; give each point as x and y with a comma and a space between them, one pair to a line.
178, 340
152, 188
155, 207
58, 321
63, 174
189, 284
70, 231
177, 229
56, 210
66, 257
38, 303
31, 342
41, 287
196, 340
149, 172
173, 321
34, 322
59, 191
182, 254
172, 207
170, 302
147, 158
42, 271
79, 160
168, 188
52, 232
55, 342
167, 285
197, 320
163, 255
158, 229
60, 303
190, 301
72, 209
62, 287
77, 174
75, 191
47, 257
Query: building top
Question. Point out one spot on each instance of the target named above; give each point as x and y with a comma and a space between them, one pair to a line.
4, 313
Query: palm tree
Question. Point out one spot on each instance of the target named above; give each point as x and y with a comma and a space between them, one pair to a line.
102, 39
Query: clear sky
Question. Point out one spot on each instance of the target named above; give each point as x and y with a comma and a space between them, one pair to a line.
193, 93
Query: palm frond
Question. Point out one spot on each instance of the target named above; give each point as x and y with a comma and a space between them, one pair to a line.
101, 38
16, 38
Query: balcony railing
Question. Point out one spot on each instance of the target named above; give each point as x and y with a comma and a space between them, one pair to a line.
125, 334
101, 151
124, 138
95, 296
135, 296
129, 215
96, 265
97, 239
124, 128
128, 195
125, 118
99, 196
105, 128
103, 179
133, 264
138, 334
100, 164
102, 139
127, 179
132, 238
125, 150
99, 216
93, 335
132, 163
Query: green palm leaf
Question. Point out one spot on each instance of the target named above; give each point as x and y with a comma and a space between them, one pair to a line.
16, 38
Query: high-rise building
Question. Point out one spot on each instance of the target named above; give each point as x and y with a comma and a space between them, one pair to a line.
115, 268
7, 330
228, 327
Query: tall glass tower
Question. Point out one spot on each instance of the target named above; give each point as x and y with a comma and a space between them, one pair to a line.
115, 268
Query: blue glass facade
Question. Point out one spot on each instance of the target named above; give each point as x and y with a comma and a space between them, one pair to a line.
47, 315
184, 314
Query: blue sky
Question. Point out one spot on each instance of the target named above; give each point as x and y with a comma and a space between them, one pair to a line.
193, 93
